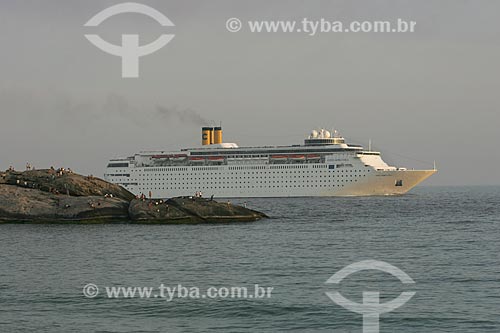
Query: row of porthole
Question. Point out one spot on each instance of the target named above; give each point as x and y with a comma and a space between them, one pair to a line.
262, 172
232, 187
257, 181
253, 177
236, 181
248, 183
232, 178
212, 183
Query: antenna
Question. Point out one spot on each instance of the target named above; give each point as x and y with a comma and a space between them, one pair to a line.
369, 144
435, 165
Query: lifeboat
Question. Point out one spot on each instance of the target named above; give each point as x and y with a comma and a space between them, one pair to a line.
160, 156
313, 157
194, 159
297, 157
179, 157
216, 158
278, 157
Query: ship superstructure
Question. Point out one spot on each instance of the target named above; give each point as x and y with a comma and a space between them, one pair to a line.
325, 165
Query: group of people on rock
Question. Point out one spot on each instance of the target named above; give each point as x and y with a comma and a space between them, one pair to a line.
156, 204
61, 171
92, 204
23, 183
30, 167
141, 197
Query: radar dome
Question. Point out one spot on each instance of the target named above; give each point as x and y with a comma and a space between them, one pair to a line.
327, 135
314, 134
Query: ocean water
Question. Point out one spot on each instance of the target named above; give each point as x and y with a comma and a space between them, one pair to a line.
447, 239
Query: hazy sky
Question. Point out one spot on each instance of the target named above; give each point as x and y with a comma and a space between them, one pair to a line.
423, 96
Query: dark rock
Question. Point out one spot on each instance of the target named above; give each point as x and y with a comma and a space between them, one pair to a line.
66, 183
24, 204
50, 196
189, 209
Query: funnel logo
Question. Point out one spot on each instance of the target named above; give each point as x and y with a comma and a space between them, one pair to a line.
130, 50
371, 309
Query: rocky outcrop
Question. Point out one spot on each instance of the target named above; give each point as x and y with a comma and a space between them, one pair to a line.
189, 210
58, 196
64, 182
29, 205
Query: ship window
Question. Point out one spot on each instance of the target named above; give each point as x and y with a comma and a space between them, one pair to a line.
117, 165
399, 182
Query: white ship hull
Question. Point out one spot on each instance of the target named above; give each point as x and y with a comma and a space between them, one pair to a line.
337, 169
220, 181
383, 183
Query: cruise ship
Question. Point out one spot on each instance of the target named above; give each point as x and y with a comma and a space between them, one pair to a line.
325, 165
